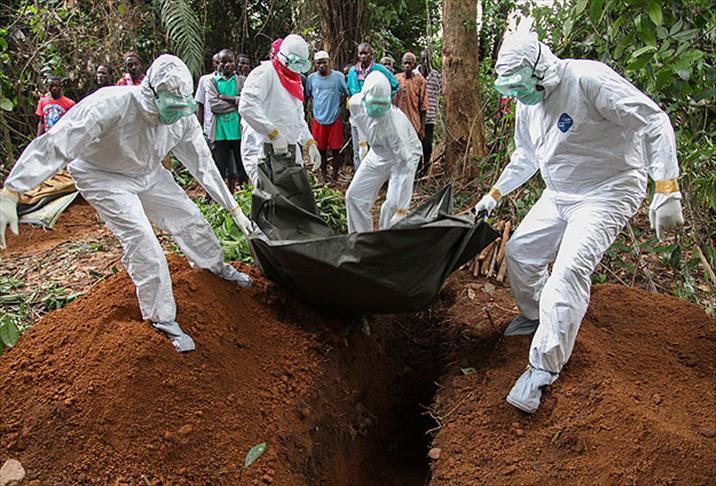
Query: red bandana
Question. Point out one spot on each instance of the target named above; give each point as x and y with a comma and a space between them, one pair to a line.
289, 80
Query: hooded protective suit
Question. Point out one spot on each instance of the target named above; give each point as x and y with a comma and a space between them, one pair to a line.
113, 143
395, 151
268, 111
594, 138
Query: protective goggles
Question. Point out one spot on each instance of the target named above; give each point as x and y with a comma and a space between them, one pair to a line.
172, 107
296, 63
376, 106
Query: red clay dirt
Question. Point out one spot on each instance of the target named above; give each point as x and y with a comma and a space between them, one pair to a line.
636, 404
79, 220
93, 395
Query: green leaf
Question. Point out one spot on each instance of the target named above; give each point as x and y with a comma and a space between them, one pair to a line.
595, 10
676, 27
9, 333
5, 104
647, 34
709, 93
664, 248
661, 32
653, 9
185, 32
663, 78
254, 453
638, 63
686, 34
580, 6
692, 56
684, 74
642, 51
468, 371
122, 9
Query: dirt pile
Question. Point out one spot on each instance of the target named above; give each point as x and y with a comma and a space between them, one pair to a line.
636, 404
93, 396
76, 222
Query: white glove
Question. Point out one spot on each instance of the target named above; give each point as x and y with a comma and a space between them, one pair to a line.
487, 204
244, 223
280, 144
8, 214
362, 150
665, 213
314, 155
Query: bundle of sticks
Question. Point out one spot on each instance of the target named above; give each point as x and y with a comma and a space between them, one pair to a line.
491, 261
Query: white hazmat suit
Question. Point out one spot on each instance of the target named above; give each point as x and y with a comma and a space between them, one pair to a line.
270, 114
594, 138
394, 153
113, 144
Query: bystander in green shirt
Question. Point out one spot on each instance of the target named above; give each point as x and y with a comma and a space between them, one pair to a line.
227, 124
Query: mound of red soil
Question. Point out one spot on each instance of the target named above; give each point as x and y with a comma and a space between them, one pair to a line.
77, 221
636, 404
92, 395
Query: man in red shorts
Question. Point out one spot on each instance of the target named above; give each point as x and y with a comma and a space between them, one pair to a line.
327, 88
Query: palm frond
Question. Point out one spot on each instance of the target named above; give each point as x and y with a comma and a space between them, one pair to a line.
184, 31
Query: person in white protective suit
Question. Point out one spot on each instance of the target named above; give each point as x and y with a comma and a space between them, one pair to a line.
271, 107
394, 153
594, 137
113, 143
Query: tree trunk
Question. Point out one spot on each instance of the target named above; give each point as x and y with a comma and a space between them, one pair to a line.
464, 125
342, 28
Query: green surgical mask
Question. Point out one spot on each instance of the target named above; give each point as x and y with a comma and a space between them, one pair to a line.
172, 108
521, 85
295, 63
376, 107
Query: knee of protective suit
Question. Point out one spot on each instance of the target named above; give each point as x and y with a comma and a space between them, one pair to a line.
571, 282
514, 250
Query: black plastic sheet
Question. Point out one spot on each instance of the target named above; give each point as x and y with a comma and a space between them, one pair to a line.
395, 270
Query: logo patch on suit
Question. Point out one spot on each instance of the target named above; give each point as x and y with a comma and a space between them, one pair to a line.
564, 123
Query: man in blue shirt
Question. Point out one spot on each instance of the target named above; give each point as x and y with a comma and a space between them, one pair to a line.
327, 88
356, 77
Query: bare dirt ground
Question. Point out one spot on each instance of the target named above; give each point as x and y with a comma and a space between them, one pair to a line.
93, 395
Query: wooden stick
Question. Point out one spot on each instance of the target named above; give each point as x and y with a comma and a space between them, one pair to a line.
485, 268
485, 251
493, 260
505, 239
502, 272
705, 264
476, 266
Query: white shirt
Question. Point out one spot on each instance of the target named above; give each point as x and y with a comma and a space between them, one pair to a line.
200, 97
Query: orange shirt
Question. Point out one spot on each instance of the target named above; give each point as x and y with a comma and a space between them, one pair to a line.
412, 99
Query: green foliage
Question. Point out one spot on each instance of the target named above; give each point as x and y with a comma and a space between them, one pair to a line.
9, 333
331, 206
232, 240
63, 38
18, 308
184, 31
254, 453
395, 27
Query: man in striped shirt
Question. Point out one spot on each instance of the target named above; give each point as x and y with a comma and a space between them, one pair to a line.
434, 81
